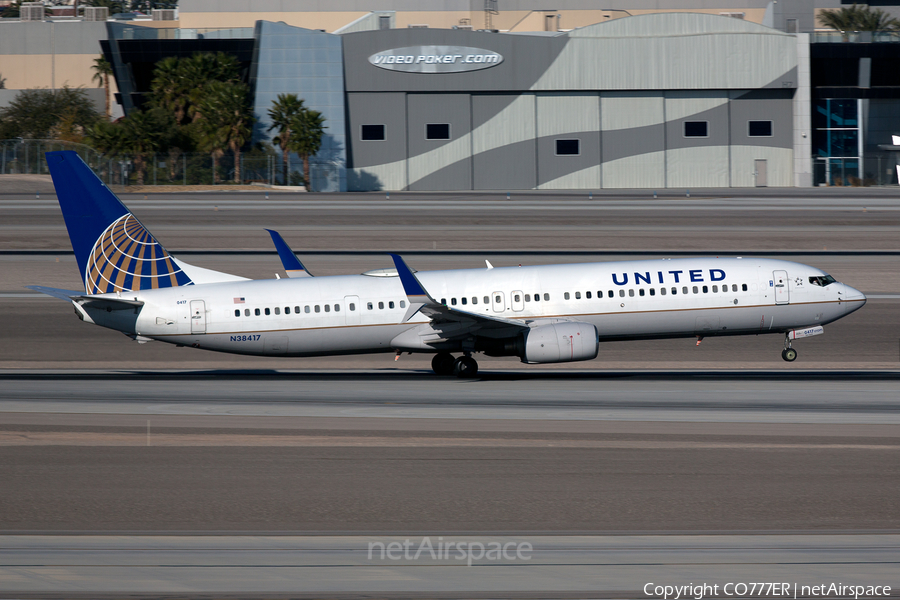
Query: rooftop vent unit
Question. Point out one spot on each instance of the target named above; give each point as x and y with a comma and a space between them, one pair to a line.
96, 13
733, 15
163, 14
31, 11
417, 26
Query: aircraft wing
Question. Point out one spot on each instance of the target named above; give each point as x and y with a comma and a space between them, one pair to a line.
443, 316
292, 265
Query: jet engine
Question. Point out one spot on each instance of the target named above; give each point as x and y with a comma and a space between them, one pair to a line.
561, 342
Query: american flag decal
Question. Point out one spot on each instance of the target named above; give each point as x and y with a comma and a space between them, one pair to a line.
238, 300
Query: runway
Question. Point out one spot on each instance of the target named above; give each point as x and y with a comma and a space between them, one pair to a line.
153, 471
534, 566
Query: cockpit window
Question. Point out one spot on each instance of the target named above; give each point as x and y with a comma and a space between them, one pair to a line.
823, 280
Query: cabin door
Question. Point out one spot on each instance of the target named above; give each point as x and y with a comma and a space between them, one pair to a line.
198, 316
782, 293
498, 301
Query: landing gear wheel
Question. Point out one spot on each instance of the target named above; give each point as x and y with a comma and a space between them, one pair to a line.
443, 363
789, 354
465, 367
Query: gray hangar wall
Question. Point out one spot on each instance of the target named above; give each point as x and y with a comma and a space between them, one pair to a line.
653, 101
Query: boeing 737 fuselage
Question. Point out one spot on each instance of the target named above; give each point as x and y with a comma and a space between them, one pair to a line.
541, 314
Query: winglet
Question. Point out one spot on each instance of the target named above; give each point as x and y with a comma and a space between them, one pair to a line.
415, 292
292, 265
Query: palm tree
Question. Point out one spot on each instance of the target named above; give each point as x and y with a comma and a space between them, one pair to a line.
226, 120
203, 68
285, 108
858, 18
308, 128
170, 87
102, 70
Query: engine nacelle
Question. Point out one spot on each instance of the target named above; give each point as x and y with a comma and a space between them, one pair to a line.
561, 342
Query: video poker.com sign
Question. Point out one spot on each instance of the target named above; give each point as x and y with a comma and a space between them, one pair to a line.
435, 59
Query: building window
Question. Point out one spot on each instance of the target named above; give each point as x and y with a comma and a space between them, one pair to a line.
437, 131
696, 129
568, 147
759, 128
371, 133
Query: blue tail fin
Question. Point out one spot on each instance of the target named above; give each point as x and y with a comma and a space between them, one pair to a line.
115, 252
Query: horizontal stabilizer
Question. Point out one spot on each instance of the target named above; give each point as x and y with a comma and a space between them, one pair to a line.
292, 265
80, 298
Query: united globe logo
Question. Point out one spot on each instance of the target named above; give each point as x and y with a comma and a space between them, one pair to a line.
126, 258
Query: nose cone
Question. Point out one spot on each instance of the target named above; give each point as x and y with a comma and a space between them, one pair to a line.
852, 298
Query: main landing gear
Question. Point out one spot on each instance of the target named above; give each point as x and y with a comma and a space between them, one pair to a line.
463, 367
788, 354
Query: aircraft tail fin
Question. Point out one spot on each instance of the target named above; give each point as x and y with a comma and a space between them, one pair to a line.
114, 251
292, 265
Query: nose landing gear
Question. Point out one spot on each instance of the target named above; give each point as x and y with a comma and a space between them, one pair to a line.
788, 354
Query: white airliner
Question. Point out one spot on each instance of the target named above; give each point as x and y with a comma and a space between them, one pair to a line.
542, 314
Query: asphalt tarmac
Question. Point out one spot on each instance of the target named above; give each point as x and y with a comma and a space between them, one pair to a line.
101, 436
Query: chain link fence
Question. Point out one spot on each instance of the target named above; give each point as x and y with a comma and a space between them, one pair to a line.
19, 156
877, 170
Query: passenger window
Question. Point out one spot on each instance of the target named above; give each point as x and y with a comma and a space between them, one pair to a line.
246, 312
611, 293
277, 310
443, 301
327, 308
715, 289
318, 308
256, 311
652, 292
369, 305
684, 290
391, 303
631, 293
621, 293
287, 310
696, 290
453, 301
674, 291
237, 313
705, 289
517, 298
578, 295
306, 309
662, 291
744, 287
337, 308
733, 287
587, 295
546, 297
352, 306
537, 297
641, 291
527, 297
474, 299
403, 304
268, 312
566, 295
296, 310
464, 300
381, 305
498, 299
487, 300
